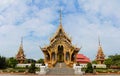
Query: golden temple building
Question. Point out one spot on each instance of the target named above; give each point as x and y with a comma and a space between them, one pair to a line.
100, 55
60, 49
20, 57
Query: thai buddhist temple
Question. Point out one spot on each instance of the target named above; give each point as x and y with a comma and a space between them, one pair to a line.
20, 57
100, 55
82, 59
60, 49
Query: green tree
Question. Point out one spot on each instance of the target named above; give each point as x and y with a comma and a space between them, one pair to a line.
94, 62
12, 62
30, 61
2, 62
115, 59
89, 68
40, 61
32, 68
112, 60
108, 62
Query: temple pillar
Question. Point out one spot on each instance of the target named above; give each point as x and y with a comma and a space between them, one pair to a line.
50, 58
70, 56
75, 57
45, 57
56, 56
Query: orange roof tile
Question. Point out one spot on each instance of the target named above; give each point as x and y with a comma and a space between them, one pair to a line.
82, 59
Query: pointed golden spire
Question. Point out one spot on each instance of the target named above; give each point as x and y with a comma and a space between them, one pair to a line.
99, 40
21, 45
60, 16
60, 30
60, 26
100, 55
20, 55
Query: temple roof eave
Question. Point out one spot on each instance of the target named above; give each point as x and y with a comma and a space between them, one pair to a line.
43, 49
77, 49
52, 39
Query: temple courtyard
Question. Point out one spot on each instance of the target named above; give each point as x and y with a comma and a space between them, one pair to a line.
56, 75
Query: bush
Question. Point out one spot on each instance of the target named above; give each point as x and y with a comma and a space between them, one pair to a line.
32, 68
83, 69
21, 70
102, 71
89, 68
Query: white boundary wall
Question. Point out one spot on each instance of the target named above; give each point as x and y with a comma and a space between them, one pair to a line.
99, 65
24, 65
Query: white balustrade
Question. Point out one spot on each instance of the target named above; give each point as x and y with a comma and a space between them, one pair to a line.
43, 69
77, 69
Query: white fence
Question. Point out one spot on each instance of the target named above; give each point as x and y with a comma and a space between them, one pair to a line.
27, 65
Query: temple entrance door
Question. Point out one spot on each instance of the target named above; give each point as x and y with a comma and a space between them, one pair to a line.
60, 54
60, 58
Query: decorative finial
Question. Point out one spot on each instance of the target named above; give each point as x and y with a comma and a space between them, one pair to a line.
21, 41
60, 16
99, 40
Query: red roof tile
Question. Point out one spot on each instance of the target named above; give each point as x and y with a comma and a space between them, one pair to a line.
82, 59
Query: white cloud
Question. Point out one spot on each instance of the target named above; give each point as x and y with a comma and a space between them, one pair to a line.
5, 3
36, 21
89, 26
17, 22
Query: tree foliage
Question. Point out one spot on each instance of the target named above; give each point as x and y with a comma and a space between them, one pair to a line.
113, 60
12, 62
89, 68
94, 62
2, 62
40, 61
30, 61
108, 62
32, 68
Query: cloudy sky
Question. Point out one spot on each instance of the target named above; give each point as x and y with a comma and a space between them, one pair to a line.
37, 20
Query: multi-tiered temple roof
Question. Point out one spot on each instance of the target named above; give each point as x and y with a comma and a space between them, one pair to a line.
100, 55
60, 49
20, 57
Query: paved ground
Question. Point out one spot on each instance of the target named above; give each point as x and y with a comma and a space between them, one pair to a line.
55, 75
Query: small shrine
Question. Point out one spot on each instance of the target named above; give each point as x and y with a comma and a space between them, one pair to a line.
20, 57
100, 55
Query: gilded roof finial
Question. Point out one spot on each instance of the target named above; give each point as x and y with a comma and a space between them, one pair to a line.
99, 40
60, 16
21, 42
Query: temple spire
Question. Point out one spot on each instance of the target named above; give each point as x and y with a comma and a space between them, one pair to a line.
60, 16
99, 40
100, 55
60, 30
20, 57
21, 45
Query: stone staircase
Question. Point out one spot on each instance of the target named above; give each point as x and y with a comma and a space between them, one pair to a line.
60, 69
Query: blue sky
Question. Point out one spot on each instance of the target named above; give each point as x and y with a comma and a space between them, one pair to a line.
37, 20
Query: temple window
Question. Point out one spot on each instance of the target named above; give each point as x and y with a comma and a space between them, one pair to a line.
60, 48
